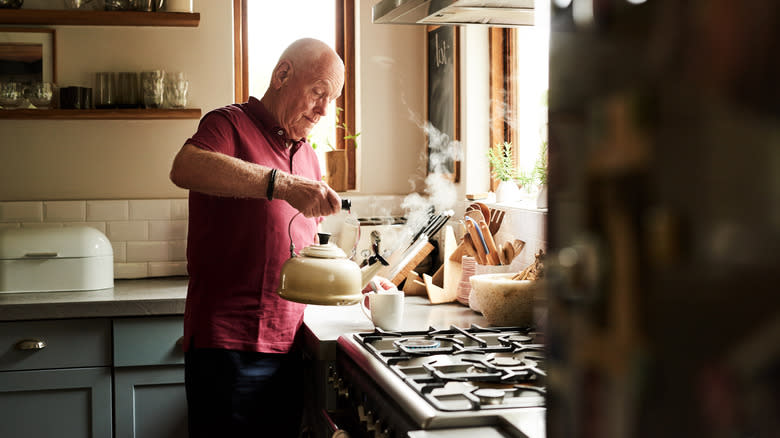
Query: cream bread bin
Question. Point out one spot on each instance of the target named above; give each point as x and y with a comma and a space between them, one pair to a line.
54, 259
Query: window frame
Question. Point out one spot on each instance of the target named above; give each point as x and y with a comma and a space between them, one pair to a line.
503, 100
345, 47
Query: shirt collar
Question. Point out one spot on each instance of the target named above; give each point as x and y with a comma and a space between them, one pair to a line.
259, 112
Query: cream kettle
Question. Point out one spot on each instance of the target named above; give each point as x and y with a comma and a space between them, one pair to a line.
322, 274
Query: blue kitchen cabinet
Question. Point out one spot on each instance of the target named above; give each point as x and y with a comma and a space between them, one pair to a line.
92, 378
55, 379
150, 400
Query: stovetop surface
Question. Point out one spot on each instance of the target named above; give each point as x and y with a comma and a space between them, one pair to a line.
465, 369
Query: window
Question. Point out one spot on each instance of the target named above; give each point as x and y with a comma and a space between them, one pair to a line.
262, 30
519, 71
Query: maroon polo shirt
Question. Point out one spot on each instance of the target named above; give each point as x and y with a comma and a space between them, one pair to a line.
236, 247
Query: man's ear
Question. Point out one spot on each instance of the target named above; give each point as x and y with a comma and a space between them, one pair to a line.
282, 73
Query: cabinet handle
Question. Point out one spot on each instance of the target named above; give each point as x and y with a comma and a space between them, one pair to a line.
180, 341
31, 344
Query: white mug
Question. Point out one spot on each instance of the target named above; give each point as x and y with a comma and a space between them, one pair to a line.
386, 309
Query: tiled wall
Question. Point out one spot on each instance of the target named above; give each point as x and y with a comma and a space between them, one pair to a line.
149, 236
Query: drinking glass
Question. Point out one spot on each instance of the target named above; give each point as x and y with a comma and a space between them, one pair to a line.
41, 94
152, 88
176, 88
10, 94
105, 90
127, 90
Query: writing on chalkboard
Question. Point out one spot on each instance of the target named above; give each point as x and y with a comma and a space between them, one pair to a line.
441, 51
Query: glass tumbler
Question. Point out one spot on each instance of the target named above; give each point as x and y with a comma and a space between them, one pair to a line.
41, 94
176, 88
10, 94
152, 88
105, 90
127, 90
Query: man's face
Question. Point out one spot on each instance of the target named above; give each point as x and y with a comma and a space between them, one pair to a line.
306, 97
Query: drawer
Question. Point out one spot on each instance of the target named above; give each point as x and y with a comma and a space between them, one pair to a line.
66, 343
148, 341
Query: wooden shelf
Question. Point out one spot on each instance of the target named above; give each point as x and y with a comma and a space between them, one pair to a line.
100, 114
70, 17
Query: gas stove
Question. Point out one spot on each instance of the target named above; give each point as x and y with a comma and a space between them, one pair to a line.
457, 377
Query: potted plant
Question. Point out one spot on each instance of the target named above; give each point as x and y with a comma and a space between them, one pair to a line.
336, 159
503, 169
536, 179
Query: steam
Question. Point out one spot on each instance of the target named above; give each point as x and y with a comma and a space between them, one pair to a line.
440, 193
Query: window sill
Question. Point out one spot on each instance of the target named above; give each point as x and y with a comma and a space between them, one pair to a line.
527, 203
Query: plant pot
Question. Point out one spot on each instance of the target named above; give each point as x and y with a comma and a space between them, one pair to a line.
336, 169
541, 198
507, 191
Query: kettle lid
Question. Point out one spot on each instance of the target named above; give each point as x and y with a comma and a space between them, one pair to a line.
323, 250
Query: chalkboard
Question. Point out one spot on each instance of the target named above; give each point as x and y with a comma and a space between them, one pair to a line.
442, 102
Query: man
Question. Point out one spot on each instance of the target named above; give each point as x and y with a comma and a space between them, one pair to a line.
249, 172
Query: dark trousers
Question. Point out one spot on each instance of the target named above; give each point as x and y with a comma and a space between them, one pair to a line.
243, 394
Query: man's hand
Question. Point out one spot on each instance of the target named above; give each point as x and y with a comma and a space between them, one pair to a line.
312, 198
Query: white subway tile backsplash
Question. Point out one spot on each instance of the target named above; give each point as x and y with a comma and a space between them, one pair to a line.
64, 211
156, 251
128, 230
150, 209
148, 236
168, 230
166, 269
180, 208
177, 250
131, 270
120, 251
100, 226
21, 211
40, 224
108, 210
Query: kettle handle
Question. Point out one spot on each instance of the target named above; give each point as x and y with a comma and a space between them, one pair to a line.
366, 310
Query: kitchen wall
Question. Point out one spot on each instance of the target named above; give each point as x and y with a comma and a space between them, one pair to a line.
43, 162
130, 159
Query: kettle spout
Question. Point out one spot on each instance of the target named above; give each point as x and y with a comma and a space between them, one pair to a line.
368, 272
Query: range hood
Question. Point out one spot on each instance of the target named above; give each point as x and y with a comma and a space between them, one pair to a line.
500, 13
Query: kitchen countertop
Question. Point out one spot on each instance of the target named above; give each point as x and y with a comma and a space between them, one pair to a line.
166, 296
143, 297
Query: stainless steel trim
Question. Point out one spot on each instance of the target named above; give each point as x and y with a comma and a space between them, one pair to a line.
501, 13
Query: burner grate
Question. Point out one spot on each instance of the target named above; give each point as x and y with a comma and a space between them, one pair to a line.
474, 368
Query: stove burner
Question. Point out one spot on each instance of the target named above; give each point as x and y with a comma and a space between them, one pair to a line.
507, 362
519, 338
421, 344
490, 396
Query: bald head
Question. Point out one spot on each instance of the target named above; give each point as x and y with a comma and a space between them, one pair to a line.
308, 53
307, 77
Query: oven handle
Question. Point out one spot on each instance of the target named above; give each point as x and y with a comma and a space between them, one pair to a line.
337, 433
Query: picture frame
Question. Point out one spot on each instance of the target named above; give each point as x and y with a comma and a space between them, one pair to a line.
27, 55
443, 101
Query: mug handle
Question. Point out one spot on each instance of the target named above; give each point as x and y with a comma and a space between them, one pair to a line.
363, 307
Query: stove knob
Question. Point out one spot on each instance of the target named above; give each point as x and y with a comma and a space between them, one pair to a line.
331, 375
341, 388
370, 421
380, 430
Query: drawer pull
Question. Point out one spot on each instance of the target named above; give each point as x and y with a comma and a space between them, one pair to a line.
31, 344
180, 341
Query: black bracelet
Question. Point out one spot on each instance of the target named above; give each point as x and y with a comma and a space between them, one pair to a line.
271, 181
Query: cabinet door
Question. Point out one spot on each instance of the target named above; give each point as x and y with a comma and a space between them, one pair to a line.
60, 403
150, 402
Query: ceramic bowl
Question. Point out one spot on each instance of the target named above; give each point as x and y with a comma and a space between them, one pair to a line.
503, 301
